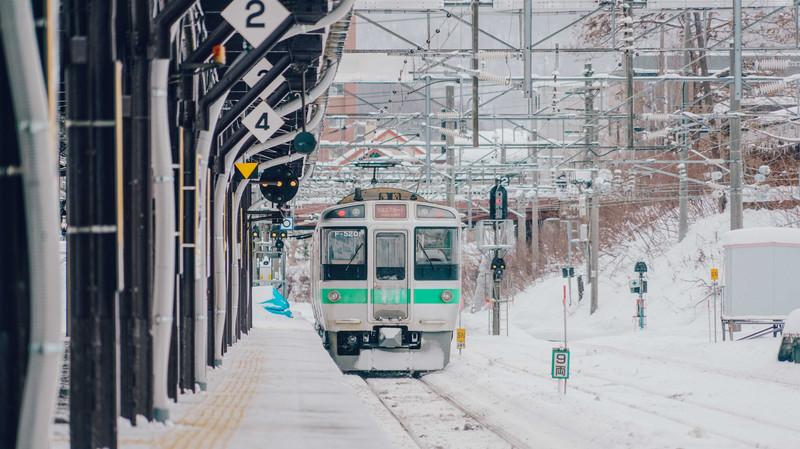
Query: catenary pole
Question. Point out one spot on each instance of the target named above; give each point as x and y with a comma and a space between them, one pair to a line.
475, 31
736, 121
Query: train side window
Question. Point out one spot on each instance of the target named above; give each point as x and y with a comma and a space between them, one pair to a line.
390, 256
344, 254
436, 254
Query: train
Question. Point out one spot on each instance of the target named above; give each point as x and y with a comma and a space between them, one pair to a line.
386, 281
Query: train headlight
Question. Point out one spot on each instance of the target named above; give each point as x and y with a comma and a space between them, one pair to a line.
334, 296
447, 296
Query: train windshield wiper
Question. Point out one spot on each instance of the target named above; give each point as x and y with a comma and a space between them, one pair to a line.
355, 253
426, 256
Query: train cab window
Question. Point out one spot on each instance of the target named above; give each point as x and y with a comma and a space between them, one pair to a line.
390, 256
436, 254
344, 254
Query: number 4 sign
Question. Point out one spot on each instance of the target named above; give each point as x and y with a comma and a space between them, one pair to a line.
255, 20
263, 121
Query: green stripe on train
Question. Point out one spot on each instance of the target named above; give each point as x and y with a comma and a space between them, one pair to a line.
349, 296
390, 296
434, 295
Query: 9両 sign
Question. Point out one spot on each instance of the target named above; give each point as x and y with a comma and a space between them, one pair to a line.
560, 366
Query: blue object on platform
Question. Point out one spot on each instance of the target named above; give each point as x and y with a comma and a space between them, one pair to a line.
277, 304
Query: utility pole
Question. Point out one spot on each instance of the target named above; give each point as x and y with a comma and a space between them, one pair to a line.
593, 199
683, 183
535, 232
629, 78
736, 121
428, 132
475, 31
450, 104
527, 89
594, 238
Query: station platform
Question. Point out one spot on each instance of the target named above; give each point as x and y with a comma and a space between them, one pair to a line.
277, 388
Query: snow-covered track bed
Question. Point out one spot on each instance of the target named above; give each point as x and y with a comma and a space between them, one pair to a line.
433, 419
708, 412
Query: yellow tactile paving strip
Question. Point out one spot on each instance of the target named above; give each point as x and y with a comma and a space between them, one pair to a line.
210, 423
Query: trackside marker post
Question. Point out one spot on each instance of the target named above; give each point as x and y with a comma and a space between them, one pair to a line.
559, 368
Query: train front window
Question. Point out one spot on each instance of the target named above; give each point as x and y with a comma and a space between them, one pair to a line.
436, 254
344, 254
390, 256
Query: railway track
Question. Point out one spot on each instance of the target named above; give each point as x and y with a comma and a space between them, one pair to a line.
434, 419
659, 405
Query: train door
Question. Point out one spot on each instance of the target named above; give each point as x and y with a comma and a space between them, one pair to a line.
390, 295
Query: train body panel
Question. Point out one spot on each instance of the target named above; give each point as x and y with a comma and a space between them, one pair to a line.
386, 285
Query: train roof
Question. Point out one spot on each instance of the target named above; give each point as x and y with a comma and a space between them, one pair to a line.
382, 193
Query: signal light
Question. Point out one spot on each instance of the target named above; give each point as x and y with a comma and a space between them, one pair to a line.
498, 203
218, 54
498, 263
498, 266
279, 184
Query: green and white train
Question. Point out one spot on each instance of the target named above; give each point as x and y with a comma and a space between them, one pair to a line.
386, 282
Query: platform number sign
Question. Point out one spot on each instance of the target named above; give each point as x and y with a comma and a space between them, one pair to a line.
255, 20
461, 338
254, 76
560, 366
263, 122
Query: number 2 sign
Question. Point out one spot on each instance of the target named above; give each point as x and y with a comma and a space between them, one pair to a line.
255, 20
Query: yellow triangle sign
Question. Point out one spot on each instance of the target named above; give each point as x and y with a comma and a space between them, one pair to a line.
246, 168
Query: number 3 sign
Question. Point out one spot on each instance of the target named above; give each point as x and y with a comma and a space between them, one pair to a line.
255, 20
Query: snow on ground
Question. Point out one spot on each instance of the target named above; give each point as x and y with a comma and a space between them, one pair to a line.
668, 386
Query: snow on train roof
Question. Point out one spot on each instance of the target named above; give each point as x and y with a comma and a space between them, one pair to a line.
761, 236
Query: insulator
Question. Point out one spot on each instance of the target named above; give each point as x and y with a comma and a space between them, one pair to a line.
655, 117
446, 115
658, 134
770, 87
773, 64
627, 20
451, 132
497, 79
493, 55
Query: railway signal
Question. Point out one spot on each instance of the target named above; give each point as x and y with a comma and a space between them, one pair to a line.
498, 266
640, 286
279, 184
498, 202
